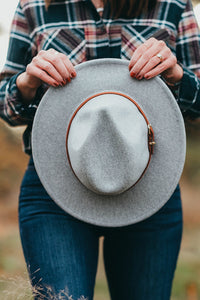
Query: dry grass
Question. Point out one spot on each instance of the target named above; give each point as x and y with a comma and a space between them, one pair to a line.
12, 159
14, 288
19, 288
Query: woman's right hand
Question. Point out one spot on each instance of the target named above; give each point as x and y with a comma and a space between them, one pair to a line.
50, 66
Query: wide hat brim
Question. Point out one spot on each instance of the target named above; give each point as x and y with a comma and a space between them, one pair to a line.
49, 145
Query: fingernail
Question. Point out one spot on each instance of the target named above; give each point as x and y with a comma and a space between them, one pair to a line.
73, 74
139, 77
55, 84
132, 74
61, 83
129, 68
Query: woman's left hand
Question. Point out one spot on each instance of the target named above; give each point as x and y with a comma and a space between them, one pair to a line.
153, 58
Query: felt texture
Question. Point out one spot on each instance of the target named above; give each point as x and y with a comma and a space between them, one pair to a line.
108, 144
49, 145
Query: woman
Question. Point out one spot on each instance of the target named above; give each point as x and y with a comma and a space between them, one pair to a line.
47, 40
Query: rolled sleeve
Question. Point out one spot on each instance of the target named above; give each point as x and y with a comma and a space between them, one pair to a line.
15, 111
21, 49
189, 94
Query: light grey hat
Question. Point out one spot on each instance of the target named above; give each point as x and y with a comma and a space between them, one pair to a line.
109, 149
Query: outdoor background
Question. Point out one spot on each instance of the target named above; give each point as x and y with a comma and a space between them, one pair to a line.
14, 282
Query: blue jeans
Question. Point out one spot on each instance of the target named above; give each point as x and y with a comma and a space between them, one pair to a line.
61, 252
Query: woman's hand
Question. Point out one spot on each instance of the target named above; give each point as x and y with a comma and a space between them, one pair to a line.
51, 67
153, 58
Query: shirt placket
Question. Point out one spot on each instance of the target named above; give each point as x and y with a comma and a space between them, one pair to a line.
96, 36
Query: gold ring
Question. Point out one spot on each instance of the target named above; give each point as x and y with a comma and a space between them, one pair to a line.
160, 57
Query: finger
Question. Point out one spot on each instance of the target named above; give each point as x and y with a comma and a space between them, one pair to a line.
160, 68
147, 60
155, 60
151, 65
140, 51
69, 66
155, 46
41, 74
48, 67
58, 59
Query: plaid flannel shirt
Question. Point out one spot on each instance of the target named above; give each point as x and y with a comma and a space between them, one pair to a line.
75, 28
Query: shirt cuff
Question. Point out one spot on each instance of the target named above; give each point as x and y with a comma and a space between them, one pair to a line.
21, 112
189, 94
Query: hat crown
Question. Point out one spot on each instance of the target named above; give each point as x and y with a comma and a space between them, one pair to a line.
107, 143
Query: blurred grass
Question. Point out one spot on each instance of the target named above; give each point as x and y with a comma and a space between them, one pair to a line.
187, 275
12, 159
192, 163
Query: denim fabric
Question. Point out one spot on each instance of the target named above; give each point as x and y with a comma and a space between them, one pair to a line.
61, 252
